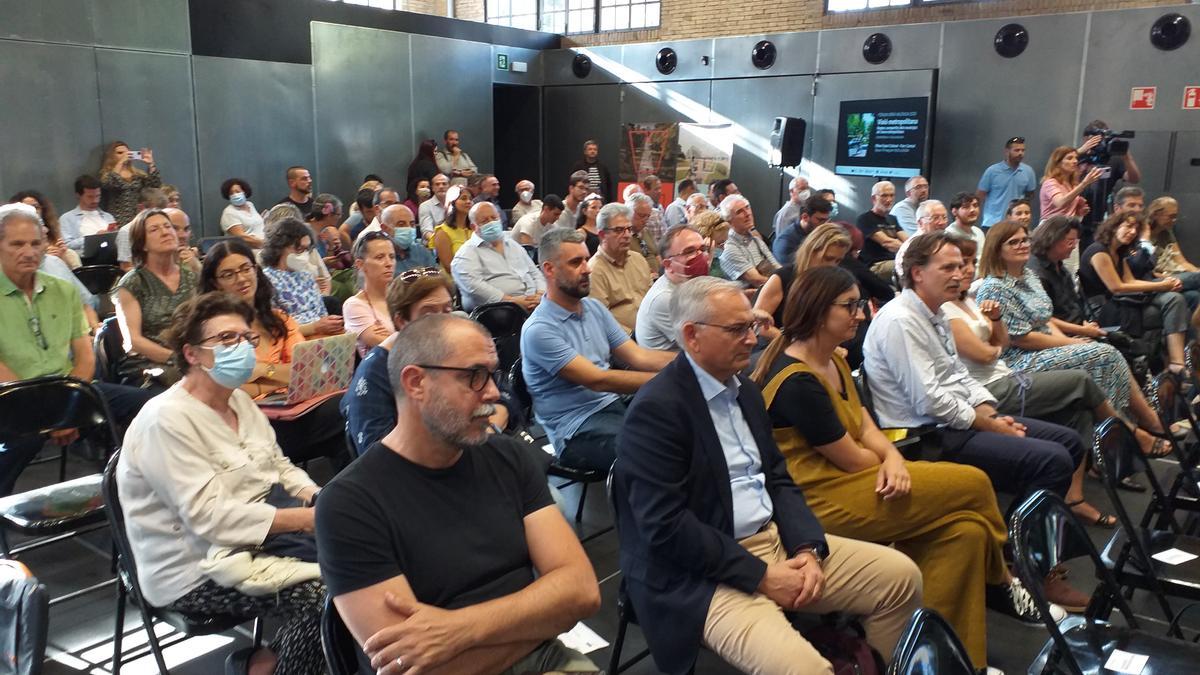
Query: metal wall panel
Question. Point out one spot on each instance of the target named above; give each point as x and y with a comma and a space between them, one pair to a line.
363, 107
572, 115
146, 101
253, 120
1121, 57
606, 65
984, 98
1184, 185
67, 21
638, 61
741, 101
452, 89
51, 119
913, 46
853, 193
796, 54
532, 59
160, 25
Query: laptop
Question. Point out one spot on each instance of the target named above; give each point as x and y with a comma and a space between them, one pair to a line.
100, 249
319, 367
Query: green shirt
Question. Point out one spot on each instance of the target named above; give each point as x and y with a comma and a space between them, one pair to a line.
35, 338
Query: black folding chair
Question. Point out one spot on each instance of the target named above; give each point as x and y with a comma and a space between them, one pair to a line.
99, 280
24, 619
208, 242
341, 652
912, 446
1044, 532
503, 320
128, 587
928, 646
29, 410
108, 348
625, 613
1130, 551
1170, 407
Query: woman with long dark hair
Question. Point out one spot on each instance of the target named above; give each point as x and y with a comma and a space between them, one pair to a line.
586, 222
449, 236
942, 515
423, 166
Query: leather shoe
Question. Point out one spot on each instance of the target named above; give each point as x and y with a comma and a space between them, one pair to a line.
1060, 592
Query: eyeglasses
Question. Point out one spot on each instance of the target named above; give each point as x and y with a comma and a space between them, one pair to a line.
1015, 139
409, 276
1017, 243
231, 338
479, 375
854, 306
736, 330
230, 275
619, 230
690, 251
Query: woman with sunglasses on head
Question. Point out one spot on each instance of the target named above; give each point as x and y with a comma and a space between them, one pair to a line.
208, 496
230, 267
369, 407
1035, 342
942, 515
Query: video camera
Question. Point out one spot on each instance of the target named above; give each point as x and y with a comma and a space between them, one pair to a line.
1110, 144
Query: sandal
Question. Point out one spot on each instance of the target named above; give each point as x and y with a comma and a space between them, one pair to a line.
1161, 448
1126, 483
1102, 519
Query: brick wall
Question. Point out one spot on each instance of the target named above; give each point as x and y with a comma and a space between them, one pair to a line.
470, 10
684, 19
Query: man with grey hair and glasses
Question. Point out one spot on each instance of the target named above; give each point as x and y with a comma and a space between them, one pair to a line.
717, 541
438, 493
568, 346
490, 267
746, 257
620, 276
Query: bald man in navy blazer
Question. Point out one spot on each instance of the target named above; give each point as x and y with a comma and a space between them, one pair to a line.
717, 542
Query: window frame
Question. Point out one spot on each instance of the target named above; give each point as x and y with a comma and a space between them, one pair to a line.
563, 12
912, 4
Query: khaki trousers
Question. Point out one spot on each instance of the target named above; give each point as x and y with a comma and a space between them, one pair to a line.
879, 585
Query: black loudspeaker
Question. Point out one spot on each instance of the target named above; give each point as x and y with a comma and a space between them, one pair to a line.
1011, 40
1170, 32
787, 141
581, 65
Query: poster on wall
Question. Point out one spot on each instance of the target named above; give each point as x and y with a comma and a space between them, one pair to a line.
674, 151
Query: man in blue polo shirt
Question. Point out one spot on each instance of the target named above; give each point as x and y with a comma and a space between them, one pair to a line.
1005, 181
567, 347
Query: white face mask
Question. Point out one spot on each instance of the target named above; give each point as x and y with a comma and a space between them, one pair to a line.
297, 262
526, 196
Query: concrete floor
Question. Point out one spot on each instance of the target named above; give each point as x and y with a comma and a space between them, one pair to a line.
81, 630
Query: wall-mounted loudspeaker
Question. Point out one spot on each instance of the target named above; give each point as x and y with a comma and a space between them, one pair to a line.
581, 66
666, 61
787, 141
1170, 32
877, 48
763, 55
1011, 40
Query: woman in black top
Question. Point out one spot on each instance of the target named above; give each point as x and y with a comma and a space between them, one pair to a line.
423, 166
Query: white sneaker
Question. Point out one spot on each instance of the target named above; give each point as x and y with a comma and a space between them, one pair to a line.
1025, 609
991, 671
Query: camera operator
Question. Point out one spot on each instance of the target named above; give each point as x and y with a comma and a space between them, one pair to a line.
1104, 148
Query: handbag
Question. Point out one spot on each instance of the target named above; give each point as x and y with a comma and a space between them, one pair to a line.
845, 647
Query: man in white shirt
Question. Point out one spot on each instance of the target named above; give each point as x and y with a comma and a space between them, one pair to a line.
525, 201
529, 229
453, 161
577, 189
916, 190
931, 217
432, 211
790, 212
87, 218
676, 211
965, 211
490, 267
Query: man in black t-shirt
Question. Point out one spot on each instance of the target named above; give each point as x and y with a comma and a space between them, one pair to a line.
441, 545
882, 234
300, 189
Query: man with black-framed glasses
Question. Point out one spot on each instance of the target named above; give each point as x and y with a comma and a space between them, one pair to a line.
441, 546
43, 331
1005, 181
620, 275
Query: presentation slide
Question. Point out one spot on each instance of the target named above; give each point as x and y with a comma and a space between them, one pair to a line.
882, 137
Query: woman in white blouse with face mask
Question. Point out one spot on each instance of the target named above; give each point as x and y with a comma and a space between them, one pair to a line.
212, 506
240, 219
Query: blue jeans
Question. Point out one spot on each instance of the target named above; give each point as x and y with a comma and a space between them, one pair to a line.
594, 445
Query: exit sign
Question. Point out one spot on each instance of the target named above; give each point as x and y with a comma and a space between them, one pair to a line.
502, 62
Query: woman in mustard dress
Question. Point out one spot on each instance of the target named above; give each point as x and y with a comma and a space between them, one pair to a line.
942, 515
452, 234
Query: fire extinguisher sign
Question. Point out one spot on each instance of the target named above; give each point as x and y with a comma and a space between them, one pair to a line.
1142, 98
1191, 98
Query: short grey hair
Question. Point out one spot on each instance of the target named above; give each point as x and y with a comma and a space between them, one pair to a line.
668, 237
279, 213
473, 214
795, 182
553, 240
927, 206
878, 187
699, 198
1128, 192
610, 211
726, 208
389, 215
911, 182
424, 341
19, 211
379, 194
638, 198
690, 300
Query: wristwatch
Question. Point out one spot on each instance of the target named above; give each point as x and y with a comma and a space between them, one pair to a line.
816, 553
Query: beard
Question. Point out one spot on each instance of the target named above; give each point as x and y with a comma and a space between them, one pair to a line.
579, 289
452, 427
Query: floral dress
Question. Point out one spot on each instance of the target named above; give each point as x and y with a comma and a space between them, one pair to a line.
297, 294
1026, 309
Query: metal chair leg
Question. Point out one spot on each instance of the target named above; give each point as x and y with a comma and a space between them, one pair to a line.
119, 633
258, 632
582, 499
155, 647
614, 662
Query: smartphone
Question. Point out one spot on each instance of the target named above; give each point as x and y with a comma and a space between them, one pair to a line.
135, 154
1105, 171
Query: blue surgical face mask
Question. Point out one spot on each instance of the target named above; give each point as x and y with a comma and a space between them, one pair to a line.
404, 236
492, 231
232, 366
237, 198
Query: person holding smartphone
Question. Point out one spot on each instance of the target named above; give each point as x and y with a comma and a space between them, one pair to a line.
121, 181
